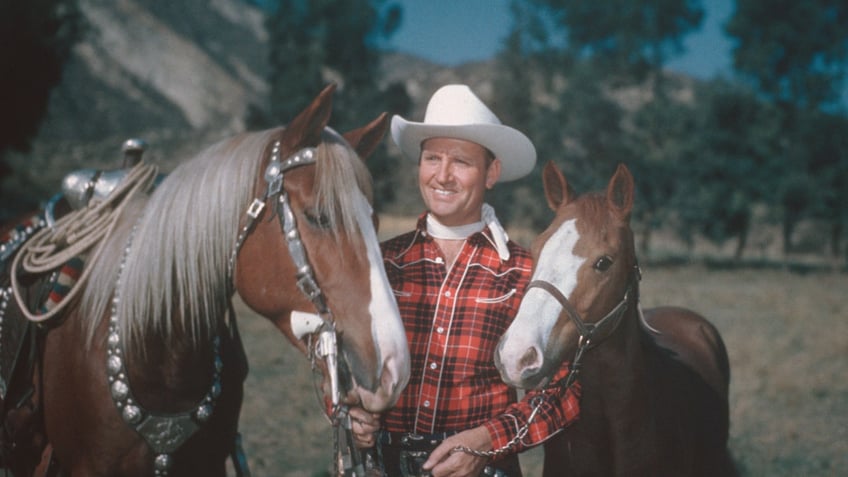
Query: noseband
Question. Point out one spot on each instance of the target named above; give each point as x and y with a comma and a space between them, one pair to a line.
591, 333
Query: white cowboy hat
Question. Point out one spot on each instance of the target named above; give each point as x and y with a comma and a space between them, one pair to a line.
455, 112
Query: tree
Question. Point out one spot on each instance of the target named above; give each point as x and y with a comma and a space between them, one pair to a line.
796, 55
605, 47
36, 37
823, 136
519, 70
730, 164
314, 42
637, 36
793, 52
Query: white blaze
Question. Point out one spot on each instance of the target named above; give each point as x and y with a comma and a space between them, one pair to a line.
558, 265
386, 325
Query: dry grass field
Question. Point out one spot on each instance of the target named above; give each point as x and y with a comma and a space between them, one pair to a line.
786, 333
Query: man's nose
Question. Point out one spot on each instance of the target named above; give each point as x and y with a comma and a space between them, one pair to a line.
445, 172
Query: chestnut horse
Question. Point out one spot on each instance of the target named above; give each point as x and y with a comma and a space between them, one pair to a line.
654, 385
143, 375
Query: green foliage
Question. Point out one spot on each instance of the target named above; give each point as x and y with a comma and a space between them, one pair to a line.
731, 163
315, 42
36, 37
796, 55
625, 34
793, 51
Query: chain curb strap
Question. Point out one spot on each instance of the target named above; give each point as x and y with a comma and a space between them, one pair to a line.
585, 342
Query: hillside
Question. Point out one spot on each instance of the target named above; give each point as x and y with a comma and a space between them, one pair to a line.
180, 75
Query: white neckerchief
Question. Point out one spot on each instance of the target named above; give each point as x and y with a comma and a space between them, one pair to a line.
440, 231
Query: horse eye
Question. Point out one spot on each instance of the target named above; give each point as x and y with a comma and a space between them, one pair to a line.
317, 219
603, 264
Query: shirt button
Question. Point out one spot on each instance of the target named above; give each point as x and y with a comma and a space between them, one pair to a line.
440, 330
426, 403
433, 365
448, 293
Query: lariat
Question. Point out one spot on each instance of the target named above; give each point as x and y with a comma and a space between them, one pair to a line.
80, 232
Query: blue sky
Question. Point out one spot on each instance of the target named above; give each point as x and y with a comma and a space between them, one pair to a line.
452, 32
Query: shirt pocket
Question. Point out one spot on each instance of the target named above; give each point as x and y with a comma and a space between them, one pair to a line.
498, 298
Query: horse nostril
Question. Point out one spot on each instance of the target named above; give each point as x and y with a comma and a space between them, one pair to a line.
529, 359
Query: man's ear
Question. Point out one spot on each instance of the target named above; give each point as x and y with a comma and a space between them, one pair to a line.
493, 173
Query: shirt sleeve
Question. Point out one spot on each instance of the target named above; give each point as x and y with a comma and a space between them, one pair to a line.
557, 408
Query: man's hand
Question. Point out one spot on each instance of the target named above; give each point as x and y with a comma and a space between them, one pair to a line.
364, 425
445, 463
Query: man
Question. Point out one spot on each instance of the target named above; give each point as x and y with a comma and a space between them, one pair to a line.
458, 280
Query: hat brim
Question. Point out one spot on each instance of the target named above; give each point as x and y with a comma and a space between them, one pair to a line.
515, 150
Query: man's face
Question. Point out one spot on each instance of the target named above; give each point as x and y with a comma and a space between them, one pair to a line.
453, 175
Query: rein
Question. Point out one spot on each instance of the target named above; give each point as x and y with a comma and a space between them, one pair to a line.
325, 347
608, 323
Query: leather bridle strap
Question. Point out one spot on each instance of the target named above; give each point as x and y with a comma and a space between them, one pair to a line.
592, 332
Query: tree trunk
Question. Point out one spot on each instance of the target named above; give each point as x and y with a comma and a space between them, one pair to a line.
741, 243
835, 238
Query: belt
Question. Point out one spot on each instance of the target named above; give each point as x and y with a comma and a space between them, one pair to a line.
412, 441
402, 454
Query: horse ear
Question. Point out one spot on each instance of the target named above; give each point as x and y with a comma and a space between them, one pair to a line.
365, 139
620, 192
557, 190
306, 128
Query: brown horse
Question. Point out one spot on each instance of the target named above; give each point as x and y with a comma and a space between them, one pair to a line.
143, 375
654, 385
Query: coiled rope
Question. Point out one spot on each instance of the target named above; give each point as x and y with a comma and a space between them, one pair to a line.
75, 234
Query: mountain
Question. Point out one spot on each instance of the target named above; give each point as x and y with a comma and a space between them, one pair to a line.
180, 75
160, 65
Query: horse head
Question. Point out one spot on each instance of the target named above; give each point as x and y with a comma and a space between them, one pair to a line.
584, 268
313, 251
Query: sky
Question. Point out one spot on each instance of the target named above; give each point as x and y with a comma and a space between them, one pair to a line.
452, 32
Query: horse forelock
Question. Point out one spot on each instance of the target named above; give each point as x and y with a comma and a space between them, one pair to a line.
342, 179
175, 270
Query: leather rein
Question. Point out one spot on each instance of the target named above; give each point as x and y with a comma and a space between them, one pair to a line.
591, 334
325, 347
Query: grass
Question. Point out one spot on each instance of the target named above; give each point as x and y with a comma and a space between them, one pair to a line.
787, 338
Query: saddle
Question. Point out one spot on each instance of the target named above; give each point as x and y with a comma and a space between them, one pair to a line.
23, 446
22, 439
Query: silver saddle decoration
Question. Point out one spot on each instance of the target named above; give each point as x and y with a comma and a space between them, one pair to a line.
82, 186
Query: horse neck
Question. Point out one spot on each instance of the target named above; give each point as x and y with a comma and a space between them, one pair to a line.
619, 355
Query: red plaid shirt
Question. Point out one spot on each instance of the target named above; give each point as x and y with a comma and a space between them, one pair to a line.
453, 322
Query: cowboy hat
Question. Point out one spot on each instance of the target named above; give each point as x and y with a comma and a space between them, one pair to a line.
455, 112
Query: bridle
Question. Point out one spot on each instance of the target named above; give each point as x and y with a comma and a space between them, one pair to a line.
591, 334
324, 347
165, 433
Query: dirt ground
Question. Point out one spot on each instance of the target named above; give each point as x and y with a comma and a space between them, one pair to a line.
786, 334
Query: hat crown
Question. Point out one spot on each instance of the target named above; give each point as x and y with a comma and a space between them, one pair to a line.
457, 105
